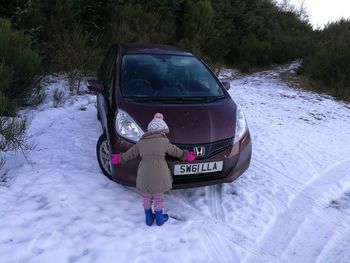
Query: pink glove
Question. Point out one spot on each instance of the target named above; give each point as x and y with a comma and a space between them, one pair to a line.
191, 156
116, 158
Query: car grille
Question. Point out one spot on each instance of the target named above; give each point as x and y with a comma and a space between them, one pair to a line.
210, 148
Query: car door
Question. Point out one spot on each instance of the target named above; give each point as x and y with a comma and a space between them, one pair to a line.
106, 74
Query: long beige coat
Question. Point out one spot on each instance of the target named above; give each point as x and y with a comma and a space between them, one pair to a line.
153, 174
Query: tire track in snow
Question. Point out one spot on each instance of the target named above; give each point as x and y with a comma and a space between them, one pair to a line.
214, 196
306, 205
272, 178
221, 248
295, 187
235, 239
275, 174
217, 236
218, 244
321, 235
339, 254
227, 235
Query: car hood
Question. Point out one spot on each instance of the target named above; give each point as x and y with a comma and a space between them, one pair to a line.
188, 123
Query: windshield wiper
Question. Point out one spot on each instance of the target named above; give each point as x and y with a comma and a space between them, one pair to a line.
175, 99
211, 99
148, 98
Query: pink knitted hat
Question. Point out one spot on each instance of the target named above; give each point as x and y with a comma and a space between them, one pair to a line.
157, 124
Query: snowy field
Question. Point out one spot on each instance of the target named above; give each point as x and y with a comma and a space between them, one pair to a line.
292, 205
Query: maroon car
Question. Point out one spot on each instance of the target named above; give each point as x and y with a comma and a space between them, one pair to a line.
137, 80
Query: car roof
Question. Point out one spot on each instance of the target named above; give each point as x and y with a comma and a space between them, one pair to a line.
140, 48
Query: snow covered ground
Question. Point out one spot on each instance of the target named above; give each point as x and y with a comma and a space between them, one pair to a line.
292, 205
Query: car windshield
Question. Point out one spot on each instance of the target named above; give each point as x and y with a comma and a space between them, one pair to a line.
153, 76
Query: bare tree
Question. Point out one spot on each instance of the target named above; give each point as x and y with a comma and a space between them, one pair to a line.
285, 5
302, 11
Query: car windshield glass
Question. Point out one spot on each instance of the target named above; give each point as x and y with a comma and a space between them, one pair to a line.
167, 76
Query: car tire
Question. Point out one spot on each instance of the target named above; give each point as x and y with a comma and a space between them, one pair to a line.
103, 156
97, 113
98, 116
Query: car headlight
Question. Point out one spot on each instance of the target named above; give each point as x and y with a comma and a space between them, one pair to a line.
127, 127
241, 125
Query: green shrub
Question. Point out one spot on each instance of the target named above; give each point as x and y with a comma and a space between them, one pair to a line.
18, 67
329, 64
13, 136
6, 79
19, 62
197, 29
131, 23
77, 57
254, 52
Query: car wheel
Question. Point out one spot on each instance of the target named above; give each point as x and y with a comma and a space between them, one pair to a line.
103, 156
97, 113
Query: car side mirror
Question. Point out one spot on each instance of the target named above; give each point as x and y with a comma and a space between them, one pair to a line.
96, 85
226, 84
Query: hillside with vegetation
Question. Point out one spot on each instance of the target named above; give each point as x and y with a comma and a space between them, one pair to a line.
74, 34
235, 32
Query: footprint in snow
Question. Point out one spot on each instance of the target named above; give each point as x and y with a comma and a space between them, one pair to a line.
45, 241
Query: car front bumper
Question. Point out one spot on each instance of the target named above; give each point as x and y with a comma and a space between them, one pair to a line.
236, 160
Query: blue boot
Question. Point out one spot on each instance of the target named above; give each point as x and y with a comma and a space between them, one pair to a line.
149, 217
161, 218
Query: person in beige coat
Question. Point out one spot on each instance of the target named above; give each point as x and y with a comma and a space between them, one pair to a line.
153, 174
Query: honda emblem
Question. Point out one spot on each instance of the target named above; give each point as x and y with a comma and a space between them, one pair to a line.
199, 151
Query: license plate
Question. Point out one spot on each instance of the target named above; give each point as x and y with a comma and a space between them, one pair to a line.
198, 168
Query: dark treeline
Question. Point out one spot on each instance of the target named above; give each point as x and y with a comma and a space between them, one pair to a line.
328, 63
242, 33
73, 35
